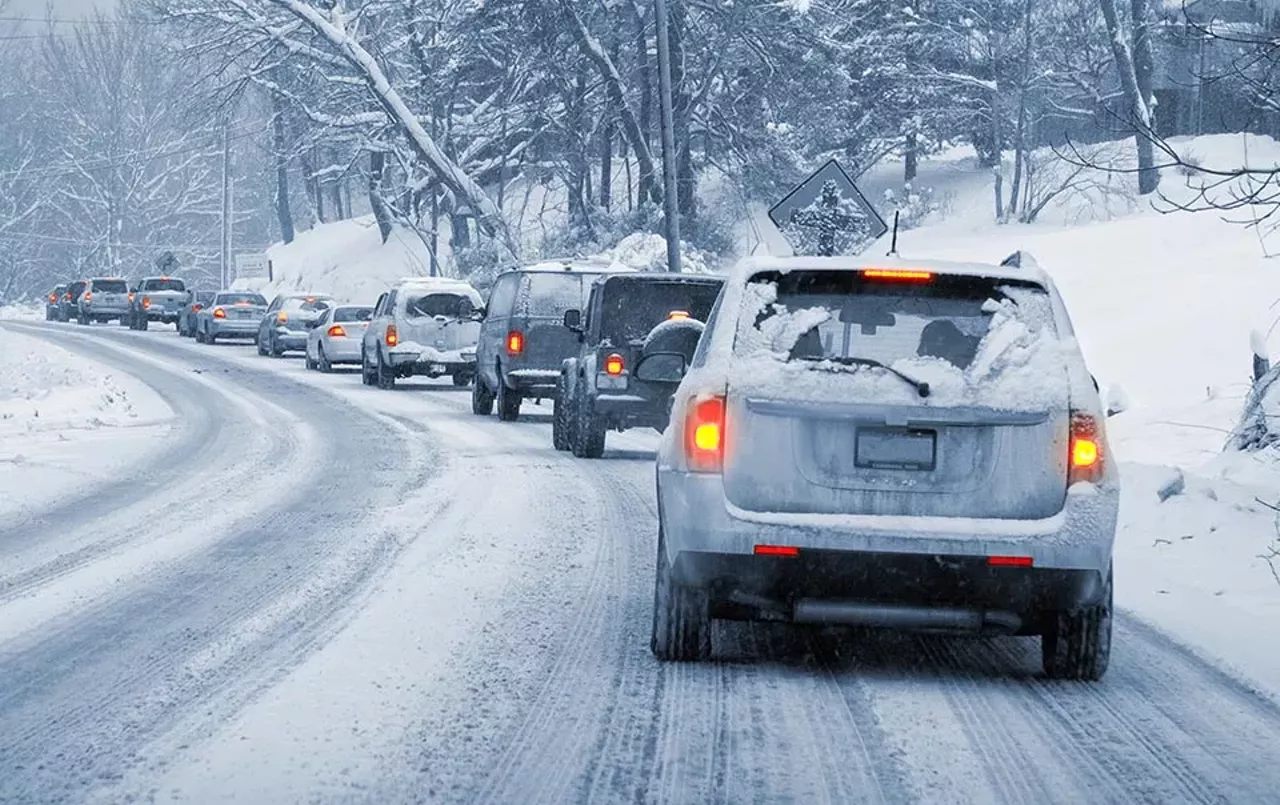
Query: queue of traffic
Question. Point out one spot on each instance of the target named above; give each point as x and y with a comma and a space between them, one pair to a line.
901, 444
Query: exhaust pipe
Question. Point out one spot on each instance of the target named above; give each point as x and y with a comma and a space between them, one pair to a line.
891, 616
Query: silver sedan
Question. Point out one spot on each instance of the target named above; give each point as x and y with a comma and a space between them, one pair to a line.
336, 336
231, 314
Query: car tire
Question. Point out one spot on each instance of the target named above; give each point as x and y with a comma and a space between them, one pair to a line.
310, 364
199, 336
508, 400
681, 614
82, 320
587, 439
125, 322
143, 322
366, 372
481, 398
386, 375
211, 337
461, 379
262, 347
1077, 645
559, 416
273, 347
323, 363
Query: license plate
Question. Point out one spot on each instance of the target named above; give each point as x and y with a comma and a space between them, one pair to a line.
896, 449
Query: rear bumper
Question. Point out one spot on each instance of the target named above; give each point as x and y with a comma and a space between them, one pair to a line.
422, 359
109, 311
534, 380
908, 590
697, 518
630, 410
234, 329
160, 314
345, 351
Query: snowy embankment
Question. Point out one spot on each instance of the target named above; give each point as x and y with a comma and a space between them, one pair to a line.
66, 423
1163, 306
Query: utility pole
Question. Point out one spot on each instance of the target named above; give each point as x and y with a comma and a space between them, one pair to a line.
670, 205
226, 204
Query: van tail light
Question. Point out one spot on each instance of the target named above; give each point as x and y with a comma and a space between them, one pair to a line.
146, 302
392, 337
515, 342
336, 331
613, 365
704, 434
219, 313
1085, 460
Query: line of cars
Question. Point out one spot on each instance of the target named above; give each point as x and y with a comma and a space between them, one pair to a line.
912, 445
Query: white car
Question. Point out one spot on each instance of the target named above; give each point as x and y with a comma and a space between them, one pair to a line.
913, 445
423, 326
336, 336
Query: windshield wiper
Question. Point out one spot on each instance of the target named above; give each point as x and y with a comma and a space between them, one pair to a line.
921, 387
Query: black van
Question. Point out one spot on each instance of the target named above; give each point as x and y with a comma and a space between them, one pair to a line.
523, 340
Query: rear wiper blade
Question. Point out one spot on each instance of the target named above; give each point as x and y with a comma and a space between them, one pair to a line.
921, 387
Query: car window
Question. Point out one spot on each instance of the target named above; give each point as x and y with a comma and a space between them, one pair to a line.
630, 309
111, 286
504, 294
353, 314
204, 297
700, 354
306, 304
241, 299
835, 316
550, 294
429, 305
163, 285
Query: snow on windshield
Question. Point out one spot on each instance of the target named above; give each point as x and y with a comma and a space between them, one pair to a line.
980, 343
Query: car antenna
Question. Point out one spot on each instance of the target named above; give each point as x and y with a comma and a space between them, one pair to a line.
893, 244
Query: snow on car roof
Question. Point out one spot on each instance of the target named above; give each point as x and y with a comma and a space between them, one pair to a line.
1028, 271
594, 265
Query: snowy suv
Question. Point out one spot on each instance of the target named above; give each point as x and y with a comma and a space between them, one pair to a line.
906, 445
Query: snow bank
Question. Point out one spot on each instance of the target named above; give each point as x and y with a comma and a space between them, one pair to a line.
22, 312
646, 251
346, 259
65, 422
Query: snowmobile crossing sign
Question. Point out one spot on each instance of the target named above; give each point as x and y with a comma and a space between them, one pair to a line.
826, 214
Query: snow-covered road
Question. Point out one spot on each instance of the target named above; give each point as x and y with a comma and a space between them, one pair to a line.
322, 592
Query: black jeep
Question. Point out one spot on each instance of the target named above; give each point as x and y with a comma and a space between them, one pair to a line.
634, 341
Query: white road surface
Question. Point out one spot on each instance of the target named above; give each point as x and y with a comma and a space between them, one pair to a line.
321, 592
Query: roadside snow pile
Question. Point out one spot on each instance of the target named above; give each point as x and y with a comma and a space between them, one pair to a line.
346, 259
645, 251
22, 312
44, 388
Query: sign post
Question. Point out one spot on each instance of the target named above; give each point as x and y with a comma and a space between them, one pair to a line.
253, 266
826, 215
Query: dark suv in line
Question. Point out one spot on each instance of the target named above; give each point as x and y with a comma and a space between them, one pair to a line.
633, 343
523, 340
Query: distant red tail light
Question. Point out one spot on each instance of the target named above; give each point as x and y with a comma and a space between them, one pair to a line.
336, 331
1085, 460
87, 296
704, 435
219, 313
53, 297
515, 342
131, 296
613, 365
197, 307
146, 302
67, 296
392, 337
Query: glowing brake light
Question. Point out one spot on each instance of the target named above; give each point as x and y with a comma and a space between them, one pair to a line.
146, 302
1010, 561
67, 296
515, 342
53, 297
282, 317
392, 337
678, 314
336, 331
219, 313
131, 296
88, 295
197, 307
776, 550
1085, 457
704, 435
613, 365
897, 274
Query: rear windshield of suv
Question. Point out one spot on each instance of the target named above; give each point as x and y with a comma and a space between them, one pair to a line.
545, 293
840, 317
307, 304
241, 299
439, 303
630, 308
353, 314
204, 297
111, 286
163, 285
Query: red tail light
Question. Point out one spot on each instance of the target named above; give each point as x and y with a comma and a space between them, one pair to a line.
131, 295
1085, 457
87, 295
704, 435
146, 302
776, 550
53, 297
678, 314
392, 337
336, 331
897, 275
613, 365
197, 307
515, 342
67, 296
1010, 561
219, 313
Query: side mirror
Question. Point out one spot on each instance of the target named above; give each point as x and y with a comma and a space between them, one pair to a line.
662, 367
573, 320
